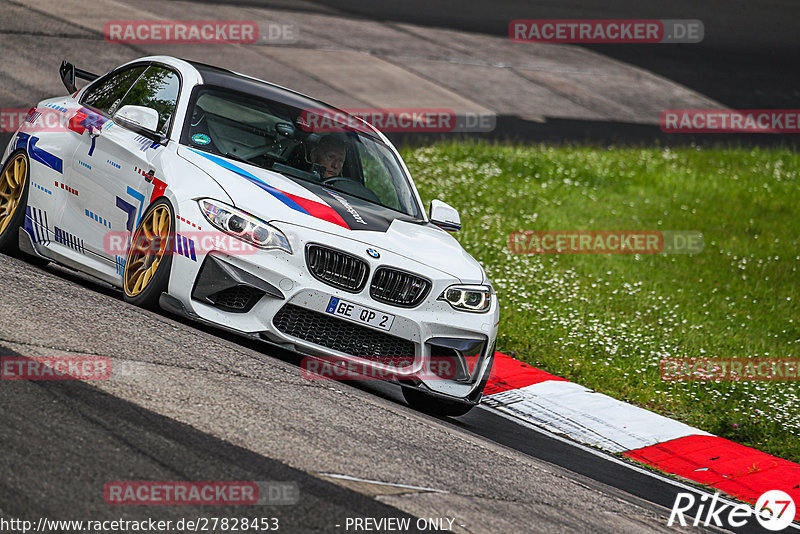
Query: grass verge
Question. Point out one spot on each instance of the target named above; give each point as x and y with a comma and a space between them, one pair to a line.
606, 321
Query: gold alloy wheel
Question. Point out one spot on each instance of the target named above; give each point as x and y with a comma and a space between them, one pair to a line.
12, 184
147, 250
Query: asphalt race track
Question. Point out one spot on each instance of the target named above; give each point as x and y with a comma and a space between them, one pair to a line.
186, 402
747, 60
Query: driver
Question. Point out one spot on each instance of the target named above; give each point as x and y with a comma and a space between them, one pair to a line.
330, 152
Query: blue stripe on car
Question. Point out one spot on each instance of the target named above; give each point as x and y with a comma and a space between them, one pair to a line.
254, 179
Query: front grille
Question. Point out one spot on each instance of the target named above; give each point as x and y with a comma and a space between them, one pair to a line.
397, 287
343, 336
237, 298
337, 268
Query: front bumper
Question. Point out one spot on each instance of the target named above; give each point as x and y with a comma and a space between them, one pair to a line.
272, 295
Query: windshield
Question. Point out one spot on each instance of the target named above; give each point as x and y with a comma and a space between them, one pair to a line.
278, 137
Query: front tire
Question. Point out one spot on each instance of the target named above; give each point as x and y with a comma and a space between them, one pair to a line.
149, 260
419, 400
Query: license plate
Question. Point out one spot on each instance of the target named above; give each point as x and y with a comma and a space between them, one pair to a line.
359, 314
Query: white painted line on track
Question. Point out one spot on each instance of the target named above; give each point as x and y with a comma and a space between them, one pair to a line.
379, 483
589, 417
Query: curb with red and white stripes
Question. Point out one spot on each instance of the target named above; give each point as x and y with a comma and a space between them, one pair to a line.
536, 397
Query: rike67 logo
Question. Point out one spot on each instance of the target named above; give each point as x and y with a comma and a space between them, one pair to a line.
774, 511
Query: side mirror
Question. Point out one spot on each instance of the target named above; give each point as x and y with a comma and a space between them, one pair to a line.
139, 115
444, 216
67, 72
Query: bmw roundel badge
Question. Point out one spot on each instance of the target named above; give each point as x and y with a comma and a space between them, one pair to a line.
374, 253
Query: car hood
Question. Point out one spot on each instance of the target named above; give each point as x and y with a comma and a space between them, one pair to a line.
274, 197
425, 244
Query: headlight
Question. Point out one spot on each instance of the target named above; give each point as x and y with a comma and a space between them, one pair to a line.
243, 226
468, 298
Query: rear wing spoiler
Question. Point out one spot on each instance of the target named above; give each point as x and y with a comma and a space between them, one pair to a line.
69, 73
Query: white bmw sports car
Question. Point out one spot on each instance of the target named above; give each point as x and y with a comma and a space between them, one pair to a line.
338, 259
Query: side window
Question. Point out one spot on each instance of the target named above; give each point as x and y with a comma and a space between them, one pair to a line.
156, 89
107, 93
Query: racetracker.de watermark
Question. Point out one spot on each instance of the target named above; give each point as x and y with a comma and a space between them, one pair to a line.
208, 493
730, 121
729, 369
199, 32
188, 244
605, 242
394, 120
434, 368
606, 31
55, 368
46, 119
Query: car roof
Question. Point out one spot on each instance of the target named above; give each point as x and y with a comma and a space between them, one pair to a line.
227, 79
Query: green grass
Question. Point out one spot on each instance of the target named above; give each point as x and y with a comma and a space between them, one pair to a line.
605, 321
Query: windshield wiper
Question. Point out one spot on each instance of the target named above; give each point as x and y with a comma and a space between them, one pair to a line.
237, 158
272, 161
295, 172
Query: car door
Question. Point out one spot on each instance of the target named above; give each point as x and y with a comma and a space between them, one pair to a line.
90, 202
126, 161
